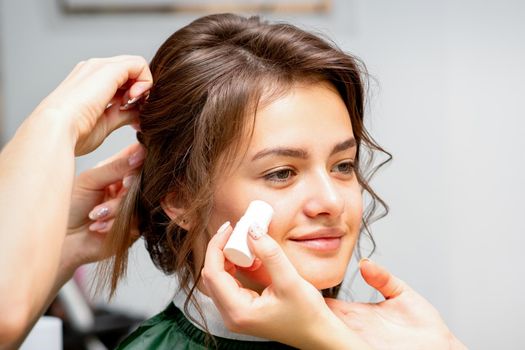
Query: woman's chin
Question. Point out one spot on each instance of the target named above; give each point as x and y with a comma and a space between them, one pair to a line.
259, 279
325, 282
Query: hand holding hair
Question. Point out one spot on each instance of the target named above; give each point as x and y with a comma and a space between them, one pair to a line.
405, 320
290, 310
97, 193
36, 179
97, 97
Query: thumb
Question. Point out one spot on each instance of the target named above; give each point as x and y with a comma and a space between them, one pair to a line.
117, 116
282, 273
113, 169
379, 278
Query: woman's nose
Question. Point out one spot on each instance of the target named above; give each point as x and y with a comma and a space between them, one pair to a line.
324, 196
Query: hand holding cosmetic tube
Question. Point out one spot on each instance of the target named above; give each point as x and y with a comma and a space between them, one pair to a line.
256, 218
291, 311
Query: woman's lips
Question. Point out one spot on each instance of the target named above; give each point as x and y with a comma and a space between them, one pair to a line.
327, 239
324, 244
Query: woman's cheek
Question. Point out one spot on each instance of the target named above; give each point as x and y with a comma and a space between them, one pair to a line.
281, 221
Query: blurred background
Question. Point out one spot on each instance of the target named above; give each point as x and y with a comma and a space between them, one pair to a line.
446, 99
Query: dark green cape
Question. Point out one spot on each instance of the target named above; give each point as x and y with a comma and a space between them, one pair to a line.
171, 330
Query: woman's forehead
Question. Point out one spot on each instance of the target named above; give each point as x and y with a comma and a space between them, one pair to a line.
310, 116
307, 114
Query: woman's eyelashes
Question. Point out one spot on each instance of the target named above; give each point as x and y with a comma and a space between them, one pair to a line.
345, 167
280, 175
284, 175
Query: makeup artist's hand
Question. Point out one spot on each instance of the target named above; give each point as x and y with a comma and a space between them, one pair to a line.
290, 310
404, 320
37, 166
96, 196
81, 100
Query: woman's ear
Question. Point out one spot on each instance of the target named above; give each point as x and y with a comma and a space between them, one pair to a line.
173, 207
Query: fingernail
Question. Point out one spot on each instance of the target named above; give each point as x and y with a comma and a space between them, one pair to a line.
127, 181
223, 228
98, 225
98, 213
126, 106
363, 260
131, 102
136, 158
256, 231
109, 105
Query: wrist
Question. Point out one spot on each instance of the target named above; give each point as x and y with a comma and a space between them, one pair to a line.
54, 123
72, 257
66, 268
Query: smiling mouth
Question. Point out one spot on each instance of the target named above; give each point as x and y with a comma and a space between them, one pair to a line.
321, 240
321, 244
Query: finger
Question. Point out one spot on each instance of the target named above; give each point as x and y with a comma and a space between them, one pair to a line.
255, 265
137, 71
116, 117
221, 286
214, 259
102, 226
126, 152
109, 225
105, 210
125, 68
382, 280
115, 100
230, 267
140, 89
282, 273
113, 190
111, 171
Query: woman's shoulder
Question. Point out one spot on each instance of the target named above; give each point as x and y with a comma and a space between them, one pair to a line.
171, 330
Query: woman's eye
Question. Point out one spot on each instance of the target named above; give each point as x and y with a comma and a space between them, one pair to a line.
344, 167
281, 175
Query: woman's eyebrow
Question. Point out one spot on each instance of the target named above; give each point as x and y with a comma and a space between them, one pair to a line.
343, 146
281, 151
299, 152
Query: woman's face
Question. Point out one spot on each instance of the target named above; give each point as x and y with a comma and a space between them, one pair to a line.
299, 160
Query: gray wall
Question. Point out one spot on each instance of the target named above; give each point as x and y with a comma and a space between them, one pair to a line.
446, 101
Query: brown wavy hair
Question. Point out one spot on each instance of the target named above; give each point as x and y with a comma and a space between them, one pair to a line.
209, 79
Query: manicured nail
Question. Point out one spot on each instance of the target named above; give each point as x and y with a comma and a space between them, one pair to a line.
131, 102
98, 213
128, 180
109, 105
98, 226
136, 158
223, 228
256, 231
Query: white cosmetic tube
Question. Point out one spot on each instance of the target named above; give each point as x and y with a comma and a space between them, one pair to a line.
257, 218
